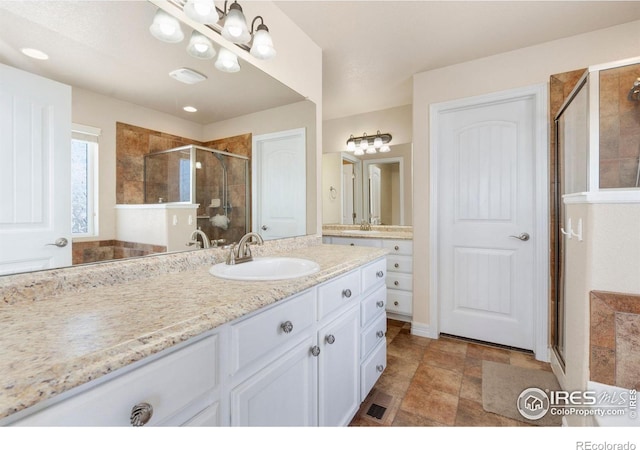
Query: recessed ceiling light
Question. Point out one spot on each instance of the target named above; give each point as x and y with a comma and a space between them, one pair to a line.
35, 53
190, 109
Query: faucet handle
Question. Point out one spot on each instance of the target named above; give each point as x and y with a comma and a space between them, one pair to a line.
231, 256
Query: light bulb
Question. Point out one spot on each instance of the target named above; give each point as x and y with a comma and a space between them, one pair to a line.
166, 27
385, 149
358, 152
377, 142
351, 145
227, 61
262, 47
364, 143
235, 25
200, 46
202, 11
371, 150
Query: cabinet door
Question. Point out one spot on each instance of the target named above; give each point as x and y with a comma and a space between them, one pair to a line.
284, 393
339, 369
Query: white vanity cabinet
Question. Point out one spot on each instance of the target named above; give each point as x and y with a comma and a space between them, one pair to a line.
179, 385
297, 362
399, 275
312, 378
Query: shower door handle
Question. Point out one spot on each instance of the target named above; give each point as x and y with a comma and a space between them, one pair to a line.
522, 237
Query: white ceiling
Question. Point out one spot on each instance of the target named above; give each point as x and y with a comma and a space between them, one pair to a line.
371, 49
106, 47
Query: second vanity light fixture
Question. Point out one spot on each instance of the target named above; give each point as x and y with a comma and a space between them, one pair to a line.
229, 23
369, 144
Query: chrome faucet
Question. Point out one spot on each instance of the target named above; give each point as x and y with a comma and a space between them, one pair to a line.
194, 239
242, 253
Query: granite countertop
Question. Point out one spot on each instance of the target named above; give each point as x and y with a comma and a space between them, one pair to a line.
53, 344
377, 231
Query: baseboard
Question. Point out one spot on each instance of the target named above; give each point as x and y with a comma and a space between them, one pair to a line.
400, 317
423, 329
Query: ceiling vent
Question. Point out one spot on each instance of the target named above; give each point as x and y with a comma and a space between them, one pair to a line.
187, 76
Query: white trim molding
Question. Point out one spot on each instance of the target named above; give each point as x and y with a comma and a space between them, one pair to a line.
539, 94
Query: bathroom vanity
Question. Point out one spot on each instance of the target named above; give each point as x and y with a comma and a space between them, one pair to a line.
399, 243
187, 348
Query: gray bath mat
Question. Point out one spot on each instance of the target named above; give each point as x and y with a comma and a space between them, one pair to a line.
502, 384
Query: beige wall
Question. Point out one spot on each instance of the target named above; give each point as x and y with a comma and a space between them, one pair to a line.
297, 115
523, 67
89, 108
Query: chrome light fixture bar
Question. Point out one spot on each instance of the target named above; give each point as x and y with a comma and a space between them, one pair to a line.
369, 144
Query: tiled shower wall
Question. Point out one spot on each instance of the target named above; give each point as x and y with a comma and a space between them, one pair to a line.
615, 339
619, 128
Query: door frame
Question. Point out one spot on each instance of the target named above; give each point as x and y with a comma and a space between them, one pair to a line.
539, 95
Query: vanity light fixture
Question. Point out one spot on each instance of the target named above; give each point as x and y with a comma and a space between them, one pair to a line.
200, 46
227, 61
202, 11
369, 144
262, 44
166, 28
235, 25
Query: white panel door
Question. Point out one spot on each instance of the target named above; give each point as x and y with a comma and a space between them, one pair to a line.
35, 191
279, 184
486, 201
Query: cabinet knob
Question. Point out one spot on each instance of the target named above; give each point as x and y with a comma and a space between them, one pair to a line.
380, 304
396, 303
396, 265
380, 368
397, 247
287, 326
141, 414
330, 339
380, 333
379, 273
396, 283
315, 350
346, 293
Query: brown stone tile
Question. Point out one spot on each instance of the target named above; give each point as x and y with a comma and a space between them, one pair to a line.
402, 346
396, 378
471, 388
609, 173
609, 137
437, 378
630, 145
488, 353
472, 367
433, 405
449, 345
471, 414
438, 358
628, 303
602, 365
628, 351
628, 172
528, 361
407, 419
602, 324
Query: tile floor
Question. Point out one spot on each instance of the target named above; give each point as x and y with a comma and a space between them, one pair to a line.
436, 382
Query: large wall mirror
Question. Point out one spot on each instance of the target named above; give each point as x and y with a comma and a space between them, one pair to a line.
119, 74
374, 188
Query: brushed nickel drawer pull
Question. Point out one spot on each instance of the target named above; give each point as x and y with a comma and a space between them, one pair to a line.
346, 293
379, 274
379, 303
141, 414
287, 326
380, 333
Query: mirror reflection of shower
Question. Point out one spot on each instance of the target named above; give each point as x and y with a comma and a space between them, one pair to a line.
634, 96
216, 180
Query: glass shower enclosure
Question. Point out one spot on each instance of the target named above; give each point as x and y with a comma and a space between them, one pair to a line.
216, 180
597, 149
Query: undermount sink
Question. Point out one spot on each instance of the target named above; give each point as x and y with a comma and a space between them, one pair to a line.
266, 268
360, 231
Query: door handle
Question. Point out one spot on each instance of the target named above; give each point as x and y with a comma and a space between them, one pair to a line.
522, 237
264, 227
60, 242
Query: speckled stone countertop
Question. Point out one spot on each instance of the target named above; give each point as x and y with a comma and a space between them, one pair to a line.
377, 231
60, 339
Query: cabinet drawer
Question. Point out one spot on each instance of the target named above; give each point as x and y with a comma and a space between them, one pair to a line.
373, 305
337, 293
400, 302
169, 391
373, 273
373, 335
210, 417
402, 281
357, 242
258, 335
371, 369
396, 263
398, 247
